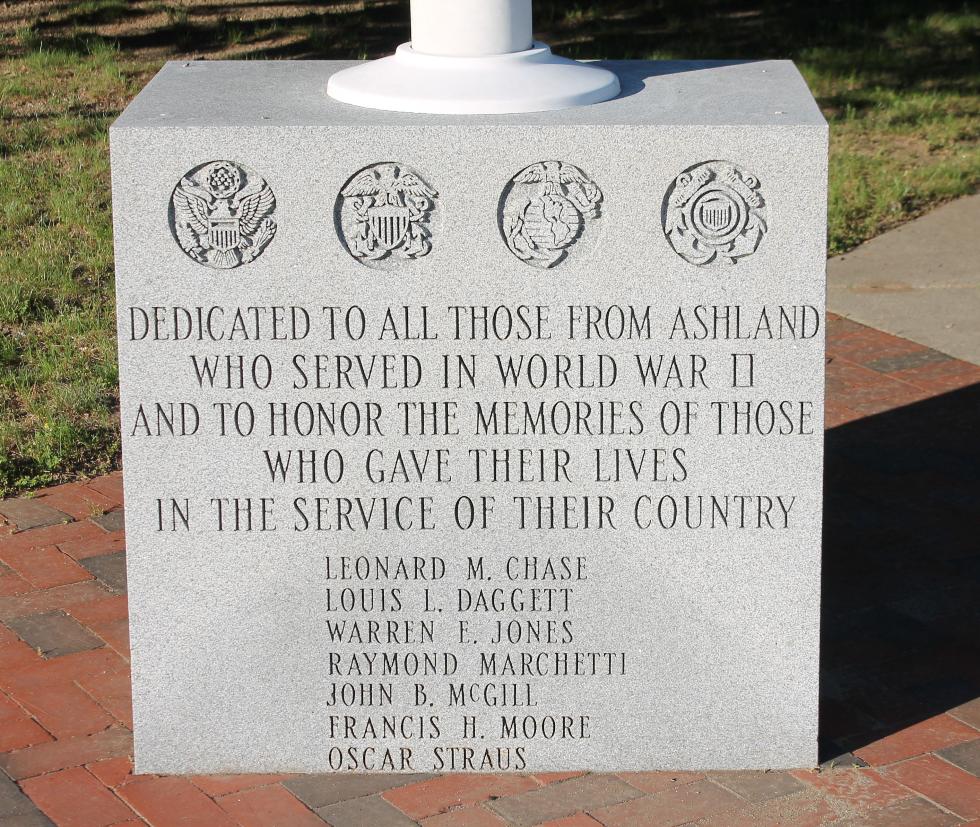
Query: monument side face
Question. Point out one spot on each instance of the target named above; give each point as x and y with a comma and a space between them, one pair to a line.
472, 445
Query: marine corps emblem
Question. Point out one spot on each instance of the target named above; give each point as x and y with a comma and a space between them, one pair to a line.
544, 211
221, 214
714, 214
384, 212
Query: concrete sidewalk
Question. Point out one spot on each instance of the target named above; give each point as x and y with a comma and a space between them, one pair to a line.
920, 281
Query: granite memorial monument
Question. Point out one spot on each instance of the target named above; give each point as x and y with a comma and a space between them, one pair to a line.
472, 431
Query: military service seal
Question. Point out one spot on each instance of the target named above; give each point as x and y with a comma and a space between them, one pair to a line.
714, 213
544, 211
383, 213
221, 214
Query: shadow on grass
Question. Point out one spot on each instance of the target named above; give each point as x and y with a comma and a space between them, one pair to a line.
897, 44
326, 31
901, 570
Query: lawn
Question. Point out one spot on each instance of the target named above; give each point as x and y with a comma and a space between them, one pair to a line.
899, 81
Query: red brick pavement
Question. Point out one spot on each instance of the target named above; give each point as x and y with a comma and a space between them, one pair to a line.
900, 672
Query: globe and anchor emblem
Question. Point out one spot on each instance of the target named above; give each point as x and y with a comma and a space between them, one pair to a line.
545, 211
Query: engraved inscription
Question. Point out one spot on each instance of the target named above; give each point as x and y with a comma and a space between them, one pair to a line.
544, 211
384, 214
221, 214
714, 213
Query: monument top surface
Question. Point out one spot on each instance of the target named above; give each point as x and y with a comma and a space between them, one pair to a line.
186, 95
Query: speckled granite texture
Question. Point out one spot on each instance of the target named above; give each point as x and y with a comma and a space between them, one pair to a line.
640, 202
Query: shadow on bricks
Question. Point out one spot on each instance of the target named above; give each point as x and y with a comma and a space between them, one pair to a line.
901, 571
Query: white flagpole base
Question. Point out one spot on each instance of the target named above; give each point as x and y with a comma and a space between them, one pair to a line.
534, 80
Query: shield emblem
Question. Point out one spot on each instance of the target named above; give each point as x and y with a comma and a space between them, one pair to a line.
224, 233
716, 214
389, 225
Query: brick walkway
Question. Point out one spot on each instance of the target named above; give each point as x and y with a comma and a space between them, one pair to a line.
900, 670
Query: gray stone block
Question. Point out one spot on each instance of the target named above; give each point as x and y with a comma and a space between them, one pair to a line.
26, 513
111, 520
373, 810
13, 802
110, 569
759, 786
54, 634
559, 800
680, 805
966, 756
317, 791
691, 209
913, 810
890, 364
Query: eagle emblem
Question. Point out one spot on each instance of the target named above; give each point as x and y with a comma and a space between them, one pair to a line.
714, 213
221, 214
545, 210
384, 212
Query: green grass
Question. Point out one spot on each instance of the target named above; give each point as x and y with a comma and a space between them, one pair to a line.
904, 136
57, 353
899, 81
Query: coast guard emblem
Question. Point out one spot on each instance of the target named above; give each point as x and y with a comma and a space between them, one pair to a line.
544, 211
221, 214
714, 213
384, 213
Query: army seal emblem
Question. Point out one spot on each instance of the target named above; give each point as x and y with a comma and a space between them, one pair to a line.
221, 214
384, 214
544, 211
714, 213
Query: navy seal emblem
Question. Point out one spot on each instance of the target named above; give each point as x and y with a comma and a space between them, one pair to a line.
384, 212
